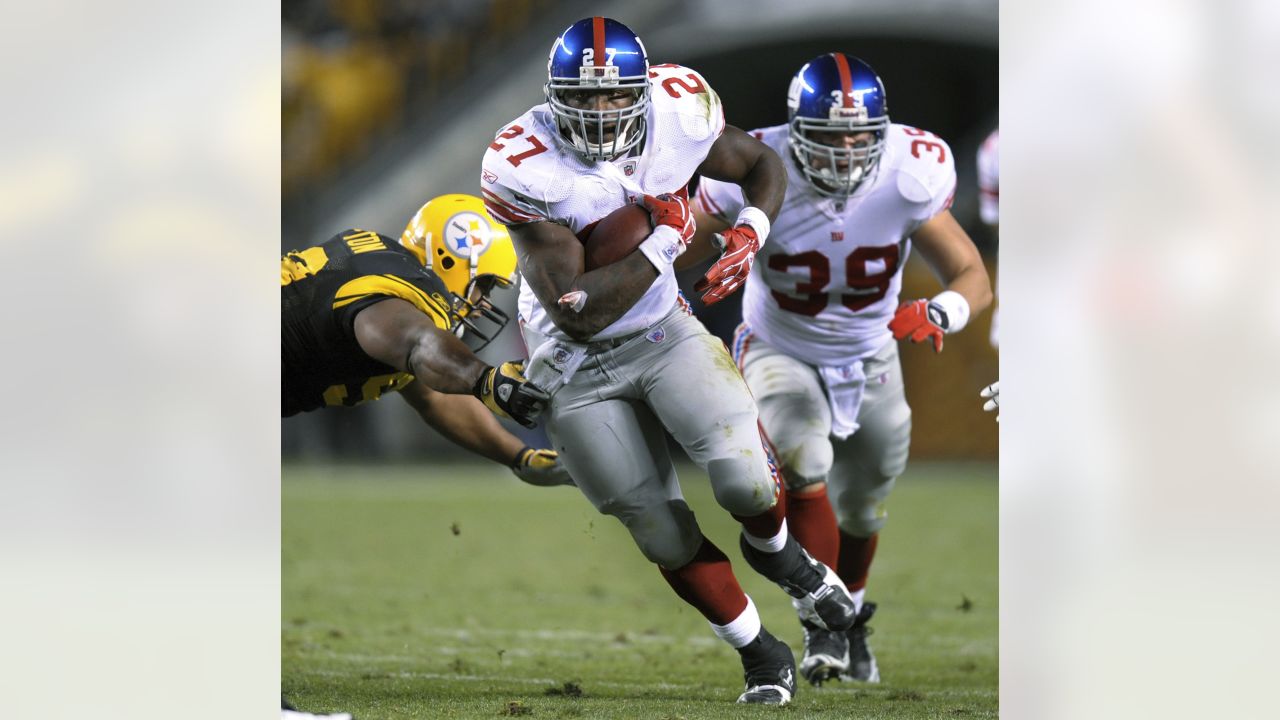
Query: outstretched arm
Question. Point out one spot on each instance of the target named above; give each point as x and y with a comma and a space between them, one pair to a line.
398, 334
465, 421
393, 331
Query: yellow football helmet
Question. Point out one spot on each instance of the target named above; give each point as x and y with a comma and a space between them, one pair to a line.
454, 237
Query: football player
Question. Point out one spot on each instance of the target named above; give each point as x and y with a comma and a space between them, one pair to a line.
821, 314
363, 315
618, 346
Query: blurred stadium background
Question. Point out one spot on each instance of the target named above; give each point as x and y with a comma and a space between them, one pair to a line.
387, 103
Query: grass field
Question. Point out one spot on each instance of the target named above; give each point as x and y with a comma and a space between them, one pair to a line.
457, 591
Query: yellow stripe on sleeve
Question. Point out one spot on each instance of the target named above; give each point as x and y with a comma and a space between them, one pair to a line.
392, 286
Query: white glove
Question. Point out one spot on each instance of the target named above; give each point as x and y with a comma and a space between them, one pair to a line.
540, 467
992, 393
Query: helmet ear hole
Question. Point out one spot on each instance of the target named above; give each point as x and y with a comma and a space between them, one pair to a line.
447, 263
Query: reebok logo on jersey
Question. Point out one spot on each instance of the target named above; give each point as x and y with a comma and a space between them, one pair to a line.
837, 236
489, 177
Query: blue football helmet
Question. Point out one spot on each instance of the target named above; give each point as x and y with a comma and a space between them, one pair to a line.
596, 55
837, 93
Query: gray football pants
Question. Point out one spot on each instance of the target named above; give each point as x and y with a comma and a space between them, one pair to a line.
607, 424
860, 470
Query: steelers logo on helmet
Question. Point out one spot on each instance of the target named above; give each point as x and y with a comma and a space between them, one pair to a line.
466, 234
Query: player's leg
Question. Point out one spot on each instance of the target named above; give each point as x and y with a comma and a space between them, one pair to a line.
796, 419
700, 397
865, 469
616, 452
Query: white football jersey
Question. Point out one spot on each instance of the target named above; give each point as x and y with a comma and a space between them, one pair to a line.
529, 175
825, 285
989, 179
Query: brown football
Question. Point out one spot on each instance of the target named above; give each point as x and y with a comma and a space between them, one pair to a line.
616, 235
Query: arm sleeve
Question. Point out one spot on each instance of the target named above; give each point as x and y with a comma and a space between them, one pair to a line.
505, 204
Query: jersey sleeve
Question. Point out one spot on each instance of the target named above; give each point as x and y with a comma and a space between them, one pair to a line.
501, 180
677, 90
721, 200
927, 176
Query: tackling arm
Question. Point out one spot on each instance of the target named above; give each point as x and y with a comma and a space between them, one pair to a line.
393, 331
954, 259
465, 421
551, 261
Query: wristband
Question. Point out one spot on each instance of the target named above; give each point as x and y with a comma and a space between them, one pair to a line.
520, 456
956, 308
758, 221
662, 247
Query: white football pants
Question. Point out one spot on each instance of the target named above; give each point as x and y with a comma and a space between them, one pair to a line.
607, 424
796, 415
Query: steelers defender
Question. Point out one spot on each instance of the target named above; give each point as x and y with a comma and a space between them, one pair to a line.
363, 315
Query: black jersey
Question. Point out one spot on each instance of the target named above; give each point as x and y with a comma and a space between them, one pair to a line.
321, 290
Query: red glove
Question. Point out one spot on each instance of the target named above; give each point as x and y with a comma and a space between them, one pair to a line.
913, 320
672, 211
739, 246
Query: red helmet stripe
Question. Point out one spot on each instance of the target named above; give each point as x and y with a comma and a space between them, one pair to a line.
846, 79
597, 27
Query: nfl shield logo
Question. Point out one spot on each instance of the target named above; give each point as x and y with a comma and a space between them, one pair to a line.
629, 168
656, 335
560, 356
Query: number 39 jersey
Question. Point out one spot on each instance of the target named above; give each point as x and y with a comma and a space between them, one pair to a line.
528, 175
826, 284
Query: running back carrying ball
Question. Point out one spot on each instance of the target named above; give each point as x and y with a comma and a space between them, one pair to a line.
616, 236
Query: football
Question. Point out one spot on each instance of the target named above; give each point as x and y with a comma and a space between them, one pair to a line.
616, 235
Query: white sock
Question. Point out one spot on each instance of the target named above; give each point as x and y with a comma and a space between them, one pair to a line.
857, 599
742, 629
769, 545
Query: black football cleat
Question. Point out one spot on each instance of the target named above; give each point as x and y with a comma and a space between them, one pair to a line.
826, 654
862, 663
820, 595
769, 669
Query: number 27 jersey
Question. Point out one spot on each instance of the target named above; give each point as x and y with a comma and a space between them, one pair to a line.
528, 175
826, 284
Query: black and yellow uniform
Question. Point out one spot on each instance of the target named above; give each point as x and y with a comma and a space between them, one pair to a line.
321, 291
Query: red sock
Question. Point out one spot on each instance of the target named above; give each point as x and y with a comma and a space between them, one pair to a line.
707, 583
812, 521
855, 559
768, 523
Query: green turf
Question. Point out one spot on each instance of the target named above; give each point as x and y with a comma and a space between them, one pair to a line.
460, 592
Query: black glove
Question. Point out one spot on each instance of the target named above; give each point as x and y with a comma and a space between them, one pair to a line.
506, 392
